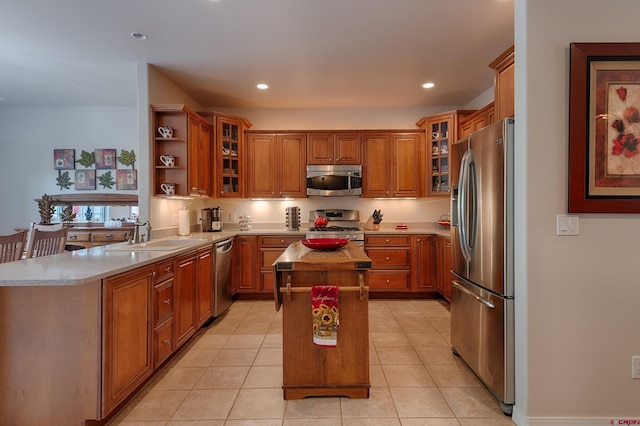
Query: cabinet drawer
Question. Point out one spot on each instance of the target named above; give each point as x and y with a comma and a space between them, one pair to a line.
163, 301
162, 345
278, 240
388, 280
389, 258
164, 270
387, 240
109, 237
269, 256
78, 237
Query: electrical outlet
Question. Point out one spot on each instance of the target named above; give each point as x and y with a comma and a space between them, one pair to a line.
174, 219
635, 367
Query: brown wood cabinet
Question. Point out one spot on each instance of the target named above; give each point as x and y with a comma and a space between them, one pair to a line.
444, 266
229, 154
441, 131
276, 165
391, 262
423, 263
393, 164
504, 68
270, 248
334, 148
162, 302
127, 339
204, 285
245, 264
476, 121
184, 291
191, 146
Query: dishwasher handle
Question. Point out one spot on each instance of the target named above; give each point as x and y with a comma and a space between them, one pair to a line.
224, 246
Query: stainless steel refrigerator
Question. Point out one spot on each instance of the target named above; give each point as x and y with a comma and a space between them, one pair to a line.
482, 293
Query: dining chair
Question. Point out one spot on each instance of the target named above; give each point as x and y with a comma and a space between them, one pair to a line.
44, 243
49, 227
12, 246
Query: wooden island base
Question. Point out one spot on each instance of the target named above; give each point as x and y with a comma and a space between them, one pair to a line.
308, 369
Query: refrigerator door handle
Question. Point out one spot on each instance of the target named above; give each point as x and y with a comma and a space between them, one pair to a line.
468, 292
463, 200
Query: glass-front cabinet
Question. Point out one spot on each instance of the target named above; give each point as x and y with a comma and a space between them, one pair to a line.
441, 131
229, 153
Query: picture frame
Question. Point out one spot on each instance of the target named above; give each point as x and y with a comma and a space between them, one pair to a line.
126, 179
64, 159
106, 159
85, 179
604, 128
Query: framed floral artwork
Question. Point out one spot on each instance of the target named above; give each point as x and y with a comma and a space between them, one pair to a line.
105, 159
604, 128
85, 179
64, 159
126, 179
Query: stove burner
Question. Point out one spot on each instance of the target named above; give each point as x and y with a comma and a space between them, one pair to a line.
335, 228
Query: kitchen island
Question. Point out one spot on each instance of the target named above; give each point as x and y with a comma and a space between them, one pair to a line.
309, 369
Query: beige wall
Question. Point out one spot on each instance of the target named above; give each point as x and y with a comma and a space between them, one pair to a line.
578, 321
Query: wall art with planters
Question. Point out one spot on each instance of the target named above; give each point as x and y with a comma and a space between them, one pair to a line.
97, 168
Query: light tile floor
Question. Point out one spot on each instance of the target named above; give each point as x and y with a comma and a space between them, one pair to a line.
231, 374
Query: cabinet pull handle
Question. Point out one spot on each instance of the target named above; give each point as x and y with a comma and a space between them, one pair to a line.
167, 302
73, 237
108, 237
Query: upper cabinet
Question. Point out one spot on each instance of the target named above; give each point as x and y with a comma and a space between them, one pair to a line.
276, 165
393, 164
476, 121
181, 153
441, 131
504, 66
228, 159
334, 148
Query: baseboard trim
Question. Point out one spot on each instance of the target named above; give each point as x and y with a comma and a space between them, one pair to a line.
522, 420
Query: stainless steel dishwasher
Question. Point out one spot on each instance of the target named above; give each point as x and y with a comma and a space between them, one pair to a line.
222, 279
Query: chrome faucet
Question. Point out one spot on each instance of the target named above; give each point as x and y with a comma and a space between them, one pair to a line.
136, 238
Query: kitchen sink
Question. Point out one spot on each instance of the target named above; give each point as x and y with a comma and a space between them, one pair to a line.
156, 245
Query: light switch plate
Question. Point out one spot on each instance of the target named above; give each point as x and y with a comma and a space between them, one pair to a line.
567, 224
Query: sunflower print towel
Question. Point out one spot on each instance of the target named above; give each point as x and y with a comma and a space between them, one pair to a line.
324, 308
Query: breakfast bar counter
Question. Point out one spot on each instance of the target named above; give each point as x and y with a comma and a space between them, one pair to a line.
318, 369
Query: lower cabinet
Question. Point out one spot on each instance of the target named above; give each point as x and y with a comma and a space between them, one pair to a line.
423, 263
245, 251
391, 262
184, 291
444, 266
162, 302
204, 285
270, 248
127, 335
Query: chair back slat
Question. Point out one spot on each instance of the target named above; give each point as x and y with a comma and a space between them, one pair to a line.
44, 243
12, 246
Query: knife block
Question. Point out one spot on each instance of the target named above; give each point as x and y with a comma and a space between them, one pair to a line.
370, 226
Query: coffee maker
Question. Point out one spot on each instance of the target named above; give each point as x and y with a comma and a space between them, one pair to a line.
211, 219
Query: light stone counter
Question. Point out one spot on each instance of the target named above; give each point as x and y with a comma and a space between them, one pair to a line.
85, 266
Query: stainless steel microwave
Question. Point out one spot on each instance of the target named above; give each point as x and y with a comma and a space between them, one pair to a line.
334, 181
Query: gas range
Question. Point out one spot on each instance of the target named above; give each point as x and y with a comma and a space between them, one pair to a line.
342, 224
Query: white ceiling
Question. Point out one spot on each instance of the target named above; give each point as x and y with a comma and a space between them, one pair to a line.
312, 53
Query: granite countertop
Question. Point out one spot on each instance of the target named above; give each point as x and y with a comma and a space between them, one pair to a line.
93, 264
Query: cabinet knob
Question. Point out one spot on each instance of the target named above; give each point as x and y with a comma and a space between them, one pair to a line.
418, 239
386, 241
386, 258
167, 269
282, 241
388, 281
153, 274
167, 302
166, 341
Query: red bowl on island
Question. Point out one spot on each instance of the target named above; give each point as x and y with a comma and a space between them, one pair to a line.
325, 243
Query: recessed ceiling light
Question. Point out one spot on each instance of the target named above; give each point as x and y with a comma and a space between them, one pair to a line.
428, 85
262, 86
139, 36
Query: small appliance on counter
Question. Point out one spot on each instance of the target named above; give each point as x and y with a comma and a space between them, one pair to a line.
211, 219
292, 218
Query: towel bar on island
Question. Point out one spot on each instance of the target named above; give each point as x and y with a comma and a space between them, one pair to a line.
288, 289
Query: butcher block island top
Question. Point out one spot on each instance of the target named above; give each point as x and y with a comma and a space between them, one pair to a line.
310, 369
